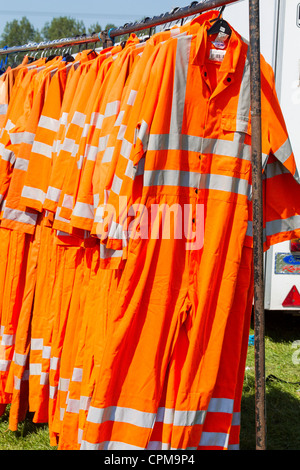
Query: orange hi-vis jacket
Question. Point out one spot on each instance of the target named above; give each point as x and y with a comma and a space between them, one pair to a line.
189, 161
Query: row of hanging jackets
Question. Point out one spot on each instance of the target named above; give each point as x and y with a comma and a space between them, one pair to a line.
126, 267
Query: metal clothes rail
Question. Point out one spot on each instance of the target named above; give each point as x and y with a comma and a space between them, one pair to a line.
107, 38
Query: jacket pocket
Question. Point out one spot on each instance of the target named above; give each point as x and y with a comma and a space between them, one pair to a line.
234, 149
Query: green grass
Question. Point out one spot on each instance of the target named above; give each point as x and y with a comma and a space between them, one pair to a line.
282, 399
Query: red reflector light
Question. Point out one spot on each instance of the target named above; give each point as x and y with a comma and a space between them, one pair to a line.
292, 299
295, 245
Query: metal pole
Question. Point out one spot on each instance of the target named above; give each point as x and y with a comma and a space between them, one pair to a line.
258, 257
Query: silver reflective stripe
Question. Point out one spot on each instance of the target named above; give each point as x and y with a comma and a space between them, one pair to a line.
85, 130
63, 384
130, 170
80, 162
220, 405
52, 392
121, 132
78, 119
20, 359
116, 185
233, 447
54, 362
112, 108
196, 180
236, 419
97, 120
131, 98
121, 414
53, 194
4, 365
172, 178
85, 403
249, 232
188, 418
165, 415
119, 119
108, 154
3, 108
77, 374
214, 439
107, 253
21, 164
157, 445
64, 118
99, 214
282, 225
33, 193
42, 149
46, 352
7, 340
59, 217
7, 155
244, 102
19, 216
44, 378
225, 183
142, 134
69, 145
22, 137
84, 210
274, 169
103, 142
109, 445
9, 125
115, 231
126, 149
73, 406
179, 85
91, 153
48, 123
284, 152
35, 369
17, 383
68, 202
36, 344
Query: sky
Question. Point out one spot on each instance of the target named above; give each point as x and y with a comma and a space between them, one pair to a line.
117, 12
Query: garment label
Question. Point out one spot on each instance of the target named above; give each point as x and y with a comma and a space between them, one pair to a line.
216, 55
220, 40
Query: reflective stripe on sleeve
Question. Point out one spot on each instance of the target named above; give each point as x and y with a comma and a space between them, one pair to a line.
284, 152
22, 137
282, 225
42, 149
48, 123
214, 439
20, 216
21, 164
33, 193
121, 414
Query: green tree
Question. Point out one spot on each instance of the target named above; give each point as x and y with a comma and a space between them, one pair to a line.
19, 32
94, 28
62, 27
